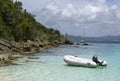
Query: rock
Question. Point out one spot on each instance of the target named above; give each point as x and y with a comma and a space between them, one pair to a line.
31, 57
28, 46
5, 43
11, 57
18, 56
5, 46
7, 59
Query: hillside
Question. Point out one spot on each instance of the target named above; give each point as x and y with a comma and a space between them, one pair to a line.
20, 32
19, 25
104, 39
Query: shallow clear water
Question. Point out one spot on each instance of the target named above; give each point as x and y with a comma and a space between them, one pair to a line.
51, 67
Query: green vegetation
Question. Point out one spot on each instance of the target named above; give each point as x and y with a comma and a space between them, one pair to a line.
17, 24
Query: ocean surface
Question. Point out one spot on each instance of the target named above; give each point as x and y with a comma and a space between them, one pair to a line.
50, 65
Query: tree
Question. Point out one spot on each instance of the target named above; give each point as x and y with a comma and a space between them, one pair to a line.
19, 25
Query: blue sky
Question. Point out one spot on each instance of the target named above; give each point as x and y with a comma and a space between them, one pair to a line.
95, 17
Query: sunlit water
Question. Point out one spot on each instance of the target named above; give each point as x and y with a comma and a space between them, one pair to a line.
51, 67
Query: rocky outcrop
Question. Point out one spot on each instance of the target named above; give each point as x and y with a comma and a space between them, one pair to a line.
19, 47
5, 46
28, 46
7, 59
11, 50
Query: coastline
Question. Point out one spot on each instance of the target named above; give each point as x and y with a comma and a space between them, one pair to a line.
11, 51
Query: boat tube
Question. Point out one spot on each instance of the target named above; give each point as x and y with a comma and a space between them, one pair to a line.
77, 61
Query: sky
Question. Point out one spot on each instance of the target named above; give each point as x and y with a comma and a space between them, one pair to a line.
77, 17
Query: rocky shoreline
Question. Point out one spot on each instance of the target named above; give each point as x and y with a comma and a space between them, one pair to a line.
11, 50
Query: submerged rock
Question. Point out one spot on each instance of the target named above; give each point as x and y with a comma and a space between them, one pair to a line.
31, 57
7, 59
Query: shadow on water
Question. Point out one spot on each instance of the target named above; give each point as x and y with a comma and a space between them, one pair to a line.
99, 67
35, 61
78, 66
47, 51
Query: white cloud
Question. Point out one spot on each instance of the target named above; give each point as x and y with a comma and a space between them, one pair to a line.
68, 11
81, 14
54, 9
90, 11
95, 15
102, 1
114, 7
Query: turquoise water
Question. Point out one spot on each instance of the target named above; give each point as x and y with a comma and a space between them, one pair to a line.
51, 67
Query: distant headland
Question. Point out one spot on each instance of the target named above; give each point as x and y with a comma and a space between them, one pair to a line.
102, 39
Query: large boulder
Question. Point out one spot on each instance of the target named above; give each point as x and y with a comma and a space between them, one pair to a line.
5, 46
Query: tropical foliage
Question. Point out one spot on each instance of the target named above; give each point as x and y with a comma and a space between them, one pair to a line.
19, 25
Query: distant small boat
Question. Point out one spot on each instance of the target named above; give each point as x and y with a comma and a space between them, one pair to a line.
83, 41
85, 44
77, 61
